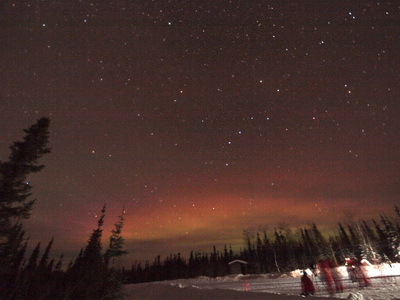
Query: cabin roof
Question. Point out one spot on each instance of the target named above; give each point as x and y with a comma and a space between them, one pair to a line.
238, 261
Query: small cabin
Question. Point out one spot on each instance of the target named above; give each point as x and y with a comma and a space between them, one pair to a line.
238, 267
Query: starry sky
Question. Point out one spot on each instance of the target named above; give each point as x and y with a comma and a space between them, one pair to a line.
203, 118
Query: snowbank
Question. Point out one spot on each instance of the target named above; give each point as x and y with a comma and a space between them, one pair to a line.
385, 280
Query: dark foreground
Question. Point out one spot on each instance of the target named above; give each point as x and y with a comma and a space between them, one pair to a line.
167, 292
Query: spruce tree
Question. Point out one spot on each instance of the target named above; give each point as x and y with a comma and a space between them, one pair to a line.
59, 264
321, 244
88, 273
260, 252
369, 248
29, 288
344, 240
397, 210
393, 237
15, 202
310, 246
116, 241
114, 277
384, 246
45, 257
92, 257
32, 263
15, 189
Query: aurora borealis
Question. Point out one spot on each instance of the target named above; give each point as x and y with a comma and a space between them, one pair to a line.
203, 118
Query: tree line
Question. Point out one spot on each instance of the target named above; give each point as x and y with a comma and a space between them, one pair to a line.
281, 251
90, 276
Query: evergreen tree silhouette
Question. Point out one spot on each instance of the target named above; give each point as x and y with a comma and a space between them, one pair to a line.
30, 281
370, 239
92, 257
15, 205
397, 210
384, 246
45, 257
59, 263
392, 236
116, 241
14, 187
344, 239
33, 259
87, 275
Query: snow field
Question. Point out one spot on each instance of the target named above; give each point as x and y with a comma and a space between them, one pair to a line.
385, 281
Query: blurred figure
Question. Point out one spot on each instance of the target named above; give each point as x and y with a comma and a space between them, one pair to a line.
337, 277
363, 281
326, 275
356, 272
351, 269
313, 269
307, 286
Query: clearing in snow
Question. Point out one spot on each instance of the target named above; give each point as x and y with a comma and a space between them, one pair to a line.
385, 281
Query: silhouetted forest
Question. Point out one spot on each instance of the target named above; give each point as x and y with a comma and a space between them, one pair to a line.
89, 276
281, 251
92, 275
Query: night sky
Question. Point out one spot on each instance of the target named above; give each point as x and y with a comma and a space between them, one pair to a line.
203, 118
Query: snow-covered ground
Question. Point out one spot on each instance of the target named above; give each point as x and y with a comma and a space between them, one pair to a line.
385, 282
